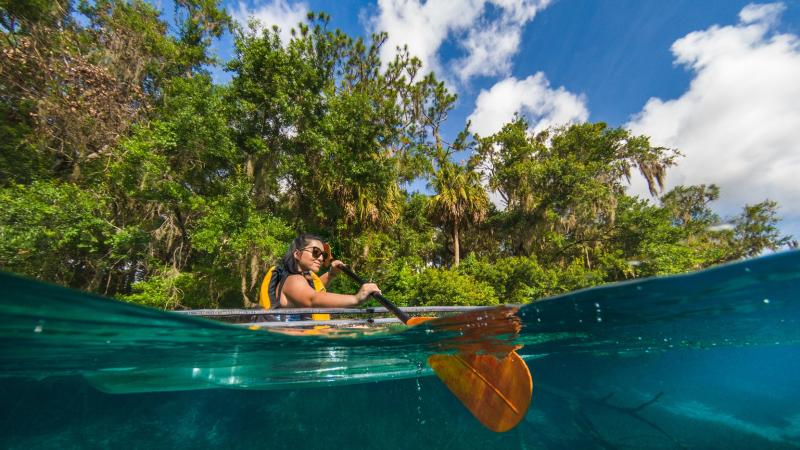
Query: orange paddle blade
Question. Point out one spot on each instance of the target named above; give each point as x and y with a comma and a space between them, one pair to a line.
418, 320
496, 391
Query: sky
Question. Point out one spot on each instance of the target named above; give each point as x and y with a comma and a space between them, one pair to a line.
719, 80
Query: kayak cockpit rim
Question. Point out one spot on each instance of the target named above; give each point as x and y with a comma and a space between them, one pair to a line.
262, 318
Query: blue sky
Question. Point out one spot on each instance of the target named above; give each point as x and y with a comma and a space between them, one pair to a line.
717, 79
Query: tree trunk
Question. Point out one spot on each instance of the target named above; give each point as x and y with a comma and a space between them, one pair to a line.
456, 247
254, 271
588, 261
250, 167
246, 298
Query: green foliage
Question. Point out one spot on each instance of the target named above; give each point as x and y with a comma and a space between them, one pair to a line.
171, 289
442, 287
564, 185
520, 279
326, 133
756, 230
202, 21
58, 232
233, 238
125, 171
690, 204
17, 16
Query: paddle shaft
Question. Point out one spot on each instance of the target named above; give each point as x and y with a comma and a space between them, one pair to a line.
384, 301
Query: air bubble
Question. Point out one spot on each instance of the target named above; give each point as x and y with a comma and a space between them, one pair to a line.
766, 301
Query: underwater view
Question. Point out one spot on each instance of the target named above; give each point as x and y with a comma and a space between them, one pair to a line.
704, 360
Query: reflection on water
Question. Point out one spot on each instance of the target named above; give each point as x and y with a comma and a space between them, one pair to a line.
702, 361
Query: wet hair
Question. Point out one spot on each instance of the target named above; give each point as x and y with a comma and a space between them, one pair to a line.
300, 242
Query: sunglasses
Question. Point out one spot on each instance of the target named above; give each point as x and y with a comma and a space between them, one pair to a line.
316, 253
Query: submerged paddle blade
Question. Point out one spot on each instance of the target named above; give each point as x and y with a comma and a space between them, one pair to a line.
496, 391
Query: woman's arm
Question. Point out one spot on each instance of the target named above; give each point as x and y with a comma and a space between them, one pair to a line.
300, 295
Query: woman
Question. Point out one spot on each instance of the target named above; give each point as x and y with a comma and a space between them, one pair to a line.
295, 283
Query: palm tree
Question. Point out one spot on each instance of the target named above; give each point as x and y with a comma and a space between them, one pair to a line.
460, 200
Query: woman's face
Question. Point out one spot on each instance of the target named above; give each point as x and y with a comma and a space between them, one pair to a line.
305, 256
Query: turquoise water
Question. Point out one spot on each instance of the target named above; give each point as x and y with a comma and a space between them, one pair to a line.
708, 360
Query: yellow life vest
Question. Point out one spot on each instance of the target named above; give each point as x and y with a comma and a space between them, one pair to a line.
271, 287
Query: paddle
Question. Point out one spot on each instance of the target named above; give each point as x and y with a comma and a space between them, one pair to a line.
497, 391
384, 301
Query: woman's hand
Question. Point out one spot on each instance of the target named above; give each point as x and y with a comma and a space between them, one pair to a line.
364, 292
335, 268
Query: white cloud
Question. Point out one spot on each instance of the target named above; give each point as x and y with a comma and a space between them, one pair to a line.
489, 51
423, 27
533, 98
766, 13
738, 122
277, 12
488, 44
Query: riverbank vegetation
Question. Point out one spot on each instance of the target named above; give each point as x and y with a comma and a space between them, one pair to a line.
125, 171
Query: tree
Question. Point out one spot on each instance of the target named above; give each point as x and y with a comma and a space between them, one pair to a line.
459, 200
561, 186
327, 133
647, 240
203, 20
756, 230
690, 204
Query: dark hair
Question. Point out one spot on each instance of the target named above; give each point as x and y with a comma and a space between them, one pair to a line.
300, 242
